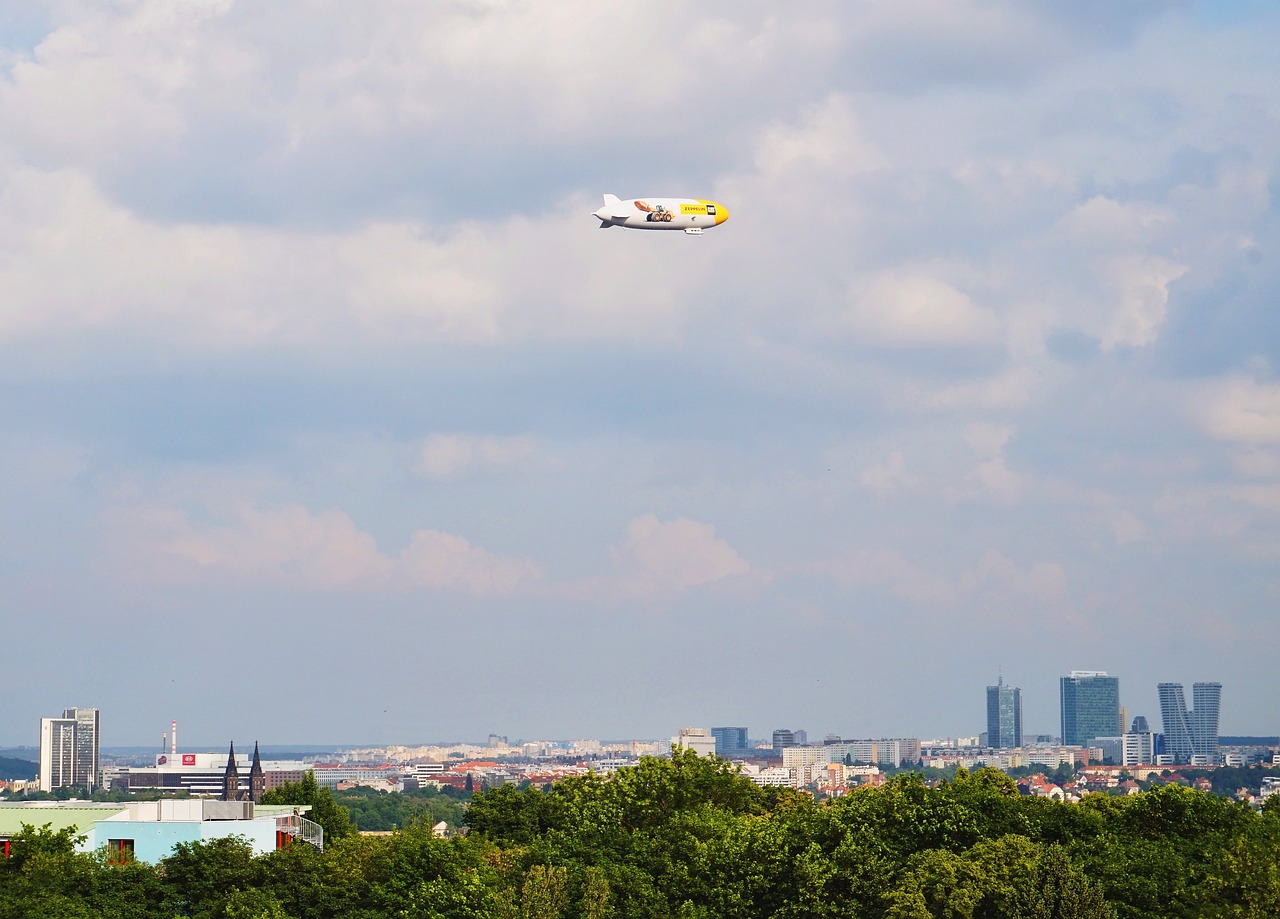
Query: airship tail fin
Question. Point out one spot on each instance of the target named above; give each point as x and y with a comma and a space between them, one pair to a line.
614, 207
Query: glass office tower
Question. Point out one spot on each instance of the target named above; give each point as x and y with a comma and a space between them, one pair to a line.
1004, 716
1090, 706
731, 742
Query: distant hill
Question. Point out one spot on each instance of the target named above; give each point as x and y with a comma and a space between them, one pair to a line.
1249, 741
17, 768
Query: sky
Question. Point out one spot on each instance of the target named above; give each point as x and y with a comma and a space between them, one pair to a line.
329, 414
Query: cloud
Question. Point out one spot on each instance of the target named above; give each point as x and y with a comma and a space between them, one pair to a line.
823, 141
904, 310
1127, 528
1140, 286
991, 478
293, 547
995, 587
444, 561
658, 559
1239, 410
449, 456
1040, 587
887, 570
889, 478
1012, 389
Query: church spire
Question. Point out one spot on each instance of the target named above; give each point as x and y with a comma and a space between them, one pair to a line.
231, 778
257, 778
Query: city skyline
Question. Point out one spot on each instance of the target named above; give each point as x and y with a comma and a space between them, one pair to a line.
313, 360
1206, 694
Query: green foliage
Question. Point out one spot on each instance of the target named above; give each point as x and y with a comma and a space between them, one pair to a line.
201, 875
11, 768
543, 895
688, 837
325, 810
369, 809
31, 847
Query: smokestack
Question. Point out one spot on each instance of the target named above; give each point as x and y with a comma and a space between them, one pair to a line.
164, 742
173, 738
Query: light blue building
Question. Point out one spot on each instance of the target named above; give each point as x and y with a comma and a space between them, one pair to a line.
150, 830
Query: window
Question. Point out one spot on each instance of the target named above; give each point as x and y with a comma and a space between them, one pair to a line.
119, 851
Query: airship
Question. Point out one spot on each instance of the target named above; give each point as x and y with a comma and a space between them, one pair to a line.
692, 215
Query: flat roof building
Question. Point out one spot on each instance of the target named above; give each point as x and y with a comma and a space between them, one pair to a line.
1004, 716
1090, 706
69, 750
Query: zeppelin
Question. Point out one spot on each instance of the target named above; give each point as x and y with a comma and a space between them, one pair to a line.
693, 215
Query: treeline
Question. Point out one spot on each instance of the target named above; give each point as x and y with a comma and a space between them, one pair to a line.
12, 768
688, 838
382, 811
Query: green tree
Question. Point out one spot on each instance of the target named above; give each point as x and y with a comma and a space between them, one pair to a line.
1061, 891
31, 846
595, 895
253, 904
325, 810
543, 895
201, 875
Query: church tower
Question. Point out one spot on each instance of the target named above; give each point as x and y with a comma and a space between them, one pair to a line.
231, 778
257, 778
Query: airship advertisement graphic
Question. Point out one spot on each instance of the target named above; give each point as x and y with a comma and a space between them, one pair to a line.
692, 215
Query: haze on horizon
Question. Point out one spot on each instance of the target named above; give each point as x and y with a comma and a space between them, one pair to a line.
327, 411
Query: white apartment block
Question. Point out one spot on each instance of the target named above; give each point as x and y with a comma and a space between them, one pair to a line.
800, 762
699, 740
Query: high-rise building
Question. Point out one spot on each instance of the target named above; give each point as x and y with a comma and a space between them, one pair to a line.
1004, 716
731, 742
699, 740
1193, 732
69, 749
783, 738
1090, 706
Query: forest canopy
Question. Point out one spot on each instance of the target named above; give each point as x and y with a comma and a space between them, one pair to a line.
688, 837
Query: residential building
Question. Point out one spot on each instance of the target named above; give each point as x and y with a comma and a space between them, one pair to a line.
1004, 716
69, 748
803, 761
880, 752
1139, 748
1190, 734
1090, 706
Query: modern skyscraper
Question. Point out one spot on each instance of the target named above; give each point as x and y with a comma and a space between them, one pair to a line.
1194, 732
730, 742
1207, 699
69, 749
1004, 716
1090, 706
